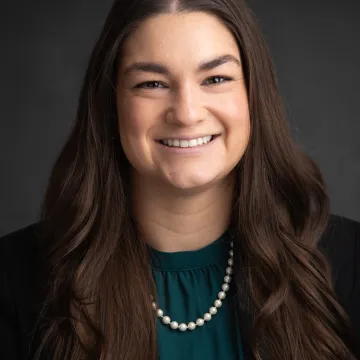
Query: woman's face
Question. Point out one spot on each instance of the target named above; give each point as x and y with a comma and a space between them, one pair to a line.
172, 97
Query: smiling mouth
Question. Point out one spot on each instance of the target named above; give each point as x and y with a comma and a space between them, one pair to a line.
188, 143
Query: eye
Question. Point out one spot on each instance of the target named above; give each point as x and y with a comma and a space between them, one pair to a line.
148, 84
144, 85
225, 78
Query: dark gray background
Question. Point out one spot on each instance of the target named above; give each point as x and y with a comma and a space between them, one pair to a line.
44, 51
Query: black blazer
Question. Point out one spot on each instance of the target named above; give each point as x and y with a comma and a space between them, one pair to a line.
20, 274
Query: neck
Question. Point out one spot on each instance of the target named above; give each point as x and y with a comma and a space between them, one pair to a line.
171, 220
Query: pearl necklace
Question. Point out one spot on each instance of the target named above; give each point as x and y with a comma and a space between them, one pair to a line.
212, 310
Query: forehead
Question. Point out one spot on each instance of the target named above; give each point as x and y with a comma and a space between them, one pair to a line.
182, 39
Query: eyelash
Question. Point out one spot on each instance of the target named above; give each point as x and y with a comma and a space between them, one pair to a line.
227, 78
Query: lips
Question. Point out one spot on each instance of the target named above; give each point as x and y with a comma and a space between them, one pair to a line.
191, 143
188, 138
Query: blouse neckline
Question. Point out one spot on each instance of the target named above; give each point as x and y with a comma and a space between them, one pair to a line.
216, 252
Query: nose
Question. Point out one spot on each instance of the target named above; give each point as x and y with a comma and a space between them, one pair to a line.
186, 108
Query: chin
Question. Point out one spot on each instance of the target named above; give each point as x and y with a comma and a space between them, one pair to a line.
191, 183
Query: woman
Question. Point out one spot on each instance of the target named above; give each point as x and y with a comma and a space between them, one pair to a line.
181, 220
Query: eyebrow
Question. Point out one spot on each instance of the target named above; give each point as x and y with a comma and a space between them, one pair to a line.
162, 69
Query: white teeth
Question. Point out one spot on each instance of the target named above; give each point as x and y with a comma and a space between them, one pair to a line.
187, 143
184, 143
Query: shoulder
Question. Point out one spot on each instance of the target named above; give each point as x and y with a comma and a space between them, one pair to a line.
20, 295
19, 252
340, 242
19, 257
340, 239
19, 242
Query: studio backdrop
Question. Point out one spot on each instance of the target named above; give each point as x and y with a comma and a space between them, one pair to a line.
45, 47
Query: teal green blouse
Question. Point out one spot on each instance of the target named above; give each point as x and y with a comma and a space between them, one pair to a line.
187, 285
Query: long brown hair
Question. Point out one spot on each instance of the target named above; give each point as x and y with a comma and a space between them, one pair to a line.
97, 299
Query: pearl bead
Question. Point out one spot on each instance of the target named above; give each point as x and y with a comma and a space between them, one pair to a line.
213, 310
200, 322
174, 325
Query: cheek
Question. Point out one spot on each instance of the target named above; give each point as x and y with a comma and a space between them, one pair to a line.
132, 121
237, 128
237, 115
131, 133
134, 126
